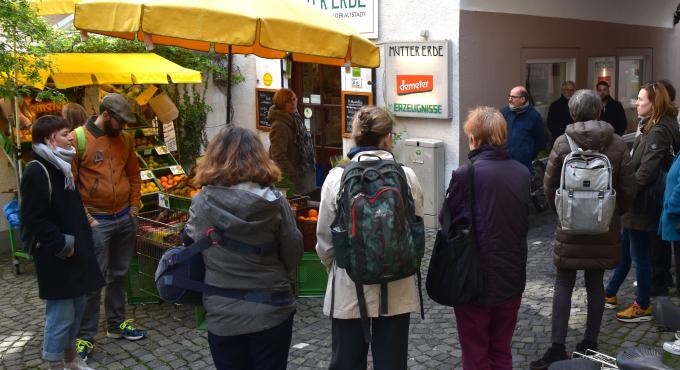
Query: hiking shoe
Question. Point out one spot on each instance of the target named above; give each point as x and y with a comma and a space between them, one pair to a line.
583, 346
610, 302
77, 364
84, 347
555, 353
635, 313
125, 330
672, 347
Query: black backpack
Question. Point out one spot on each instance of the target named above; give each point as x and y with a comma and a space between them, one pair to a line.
377, 237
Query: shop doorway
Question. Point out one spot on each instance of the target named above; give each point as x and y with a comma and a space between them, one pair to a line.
318, 89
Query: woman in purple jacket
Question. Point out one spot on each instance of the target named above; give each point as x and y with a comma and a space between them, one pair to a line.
501, 184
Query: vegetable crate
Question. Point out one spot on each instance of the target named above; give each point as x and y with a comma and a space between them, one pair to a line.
157, 231
306, 218
311, 276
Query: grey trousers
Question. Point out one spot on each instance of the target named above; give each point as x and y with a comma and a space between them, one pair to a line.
564, 286
114, 245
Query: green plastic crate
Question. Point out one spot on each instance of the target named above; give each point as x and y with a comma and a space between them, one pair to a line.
311, 276
138, 289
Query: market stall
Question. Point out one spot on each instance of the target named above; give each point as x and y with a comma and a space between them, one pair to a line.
135, 76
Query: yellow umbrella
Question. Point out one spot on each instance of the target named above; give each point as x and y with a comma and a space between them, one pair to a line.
266, 28
53, 7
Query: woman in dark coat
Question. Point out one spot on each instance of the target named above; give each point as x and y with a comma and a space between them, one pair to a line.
60, 239
501, 185
651, 153
291, 145
591, 253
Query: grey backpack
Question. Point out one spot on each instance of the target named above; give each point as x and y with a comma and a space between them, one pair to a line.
585, 200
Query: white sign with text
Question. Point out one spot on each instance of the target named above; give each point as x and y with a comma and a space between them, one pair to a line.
360, 14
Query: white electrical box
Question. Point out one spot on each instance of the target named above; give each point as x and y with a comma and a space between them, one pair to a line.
426, 158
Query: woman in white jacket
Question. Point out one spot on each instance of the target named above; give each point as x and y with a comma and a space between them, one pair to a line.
371, 134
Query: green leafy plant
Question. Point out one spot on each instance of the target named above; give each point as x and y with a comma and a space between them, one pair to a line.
23, 36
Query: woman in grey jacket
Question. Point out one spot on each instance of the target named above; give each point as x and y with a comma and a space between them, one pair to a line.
238, 201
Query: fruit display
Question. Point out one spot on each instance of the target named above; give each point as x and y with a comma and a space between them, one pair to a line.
158, 161
143, 143
171, 181
183, 189
162, 226
149, 186
311, 215
25, 135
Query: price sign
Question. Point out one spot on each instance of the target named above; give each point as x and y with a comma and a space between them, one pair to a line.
146, 175
148, 151
163, 200
162, 149
149, 131
177, 170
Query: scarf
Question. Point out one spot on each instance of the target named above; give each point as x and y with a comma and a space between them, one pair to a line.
519, 108
303, 140
60, 158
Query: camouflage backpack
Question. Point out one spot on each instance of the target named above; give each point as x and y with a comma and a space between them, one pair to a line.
377, 236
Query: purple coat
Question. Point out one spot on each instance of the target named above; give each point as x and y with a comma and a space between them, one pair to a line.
501, 217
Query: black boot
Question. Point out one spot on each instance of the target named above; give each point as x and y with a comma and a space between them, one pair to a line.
585, 345
555, 353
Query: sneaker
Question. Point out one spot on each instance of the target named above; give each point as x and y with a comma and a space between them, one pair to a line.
635, 313
77, 364
583, 346
610, 302
84, 347
672, 347
555, 353
125, 330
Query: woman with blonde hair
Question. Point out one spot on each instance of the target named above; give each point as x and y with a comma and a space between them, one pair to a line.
389, 321
501, 222
651, 154
291, 144
258, 251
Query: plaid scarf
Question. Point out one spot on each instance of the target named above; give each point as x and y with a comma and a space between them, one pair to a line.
303, 140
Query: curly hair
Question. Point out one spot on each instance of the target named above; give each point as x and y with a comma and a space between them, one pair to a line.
236, 155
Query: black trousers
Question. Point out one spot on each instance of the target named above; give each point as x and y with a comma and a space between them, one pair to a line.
389, 343
267, 349
662, 253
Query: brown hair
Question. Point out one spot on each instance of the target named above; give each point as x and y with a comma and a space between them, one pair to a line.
662, 105
487, 126
370, 124
74, 114
46, 126
282, 97
236, 155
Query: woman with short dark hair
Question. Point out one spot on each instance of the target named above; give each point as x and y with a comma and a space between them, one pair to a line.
240, 204
59, 238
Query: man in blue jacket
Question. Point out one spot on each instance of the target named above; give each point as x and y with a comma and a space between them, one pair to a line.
526, 132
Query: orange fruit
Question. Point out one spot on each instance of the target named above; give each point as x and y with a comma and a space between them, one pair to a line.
301, 218
313, 213
313, 218
164, 179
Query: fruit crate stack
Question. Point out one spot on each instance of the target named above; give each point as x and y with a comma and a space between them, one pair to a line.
157, 231
311, 273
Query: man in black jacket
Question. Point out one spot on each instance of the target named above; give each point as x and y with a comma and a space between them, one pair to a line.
612, 110
558, 113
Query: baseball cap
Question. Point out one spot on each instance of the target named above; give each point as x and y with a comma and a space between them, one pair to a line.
117, 104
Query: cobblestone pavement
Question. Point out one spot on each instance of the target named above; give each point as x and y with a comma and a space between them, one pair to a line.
174, 343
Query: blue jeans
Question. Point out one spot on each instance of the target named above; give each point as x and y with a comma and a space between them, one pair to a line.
635, 247
62, 320
114, 245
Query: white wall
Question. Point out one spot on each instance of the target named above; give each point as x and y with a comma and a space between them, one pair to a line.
402, 21
656, 13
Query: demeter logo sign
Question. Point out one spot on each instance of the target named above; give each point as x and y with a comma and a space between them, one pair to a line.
411, 84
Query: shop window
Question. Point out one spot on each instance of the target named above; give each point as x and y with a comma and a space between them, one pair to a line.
602, 69
630, 79
544, 80
318, 89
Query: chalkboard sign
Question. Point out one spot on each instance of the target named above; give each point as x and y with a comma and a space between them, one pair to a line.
351, 103
264, 100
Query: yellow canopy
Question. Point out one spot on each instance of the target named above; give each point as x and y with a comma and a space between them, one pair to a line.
80, 69
53, 7
266, 28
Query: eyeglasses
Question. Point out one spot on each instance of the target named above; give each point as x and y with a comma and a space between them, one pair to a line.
514, 96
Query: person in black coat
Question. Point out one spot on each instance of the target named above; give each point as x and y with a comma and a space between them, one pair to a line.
59, 238
612, 110
558, 113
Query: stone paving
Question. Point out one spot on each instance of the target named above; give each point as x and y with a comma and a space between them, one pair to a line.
174, 343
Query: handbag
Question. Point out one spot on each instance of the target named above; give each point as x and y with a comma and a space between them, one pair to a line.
454, 276
181, 272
